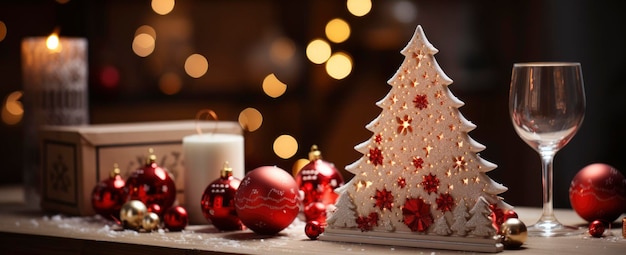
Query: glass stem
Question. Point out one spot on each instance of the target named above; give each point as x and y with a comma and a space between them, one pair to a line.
546, 178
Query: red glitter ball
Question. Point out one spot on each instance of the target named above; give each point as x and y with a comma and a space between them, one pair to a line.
596, 228
313, 229
417, 214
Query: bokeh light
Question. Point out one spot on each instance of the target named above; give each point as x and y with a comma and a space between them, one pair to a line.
282, 50
146, 29
404, 11
250, 119
359, 7
109, 77
170, 83
163, 7
12, 109
273, 87
337, 30
339, 65
3, 30
143, 44
318, 51
196, 65
285, 146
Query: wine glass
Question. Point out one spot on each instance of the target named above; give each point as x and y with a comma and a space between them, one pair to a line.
547, 106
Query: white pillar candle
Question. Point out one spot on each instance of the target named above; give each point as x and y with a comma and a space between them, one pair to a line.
205, 155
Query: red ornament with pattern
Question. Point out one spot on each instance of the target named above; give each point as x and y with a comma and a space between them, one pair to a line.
217, 203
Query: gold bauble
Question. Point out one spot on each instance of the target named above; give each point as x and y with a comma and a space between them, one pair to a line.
514, 233
132, 213
300, 163
151, 221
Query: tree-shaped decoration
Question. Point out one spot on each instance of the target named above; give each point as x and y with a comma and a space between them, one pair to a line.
418, 165
480, 223
347, 216
460, 215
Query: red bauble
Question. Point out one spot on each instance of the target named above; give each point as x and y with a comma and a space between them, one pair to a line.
509, 214
218, 204
151, 184
267, 200
108, 196
175, 218
315, 211
596, 228
318, 180
313, 229
598, 192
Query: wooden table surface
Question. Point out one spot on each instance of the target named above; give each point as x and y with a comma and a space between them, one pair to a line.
25, 230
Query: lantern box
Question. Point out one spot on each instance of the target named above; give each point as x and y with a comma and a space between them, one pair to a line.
75, 158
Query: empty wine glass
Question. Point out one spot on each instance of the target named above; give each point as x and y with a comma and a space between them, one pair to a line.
547, 106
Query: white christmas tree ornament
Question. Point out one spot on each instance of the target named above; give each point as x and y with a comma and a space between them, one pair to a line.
420, 171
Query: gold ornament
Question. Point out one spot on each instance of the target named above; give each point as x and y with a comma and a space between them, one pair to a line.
132, 213
514, 233
300, 163
151, 221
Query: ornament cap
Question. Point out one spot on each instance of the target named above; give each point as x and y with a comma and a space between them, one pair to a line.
151, 157
315, 154
116, 170
227, 171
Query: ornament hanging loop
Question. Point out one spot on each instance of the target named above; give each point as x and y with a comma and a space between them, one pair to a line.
209, 114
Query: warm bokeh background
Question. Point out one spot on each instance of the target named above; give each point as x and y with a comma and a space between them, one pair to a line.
246, 40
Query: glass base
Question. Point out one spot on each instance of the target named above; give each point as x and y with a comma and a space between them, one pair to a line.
552, 229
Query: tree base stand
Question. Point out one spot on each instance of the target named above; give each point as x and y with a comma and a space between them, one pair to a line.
477, 244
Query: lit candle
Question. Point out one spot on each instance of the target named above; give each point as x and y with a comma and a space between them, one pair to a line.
55, 79
205, 155
55, 72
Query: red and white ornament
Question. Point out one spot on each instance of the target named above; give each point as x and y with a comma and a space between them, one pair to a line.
598, 192
175, 218
108, 196
318, 179
267, 200
218, 204
151, 185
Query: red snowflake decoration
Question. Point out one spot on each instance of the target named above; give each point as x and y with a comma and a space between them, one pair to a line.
401, 182
404, 124
383, 199
416, 214
418, 162
367, 223
376, 156
430, 183
421, 101
445, 202
378, 138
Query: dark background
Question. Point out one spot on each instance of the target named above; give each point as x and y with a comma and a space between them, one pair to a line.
478, 43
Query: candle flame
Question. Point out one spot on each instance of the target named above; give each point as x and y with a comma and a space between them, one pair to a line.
53, 42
